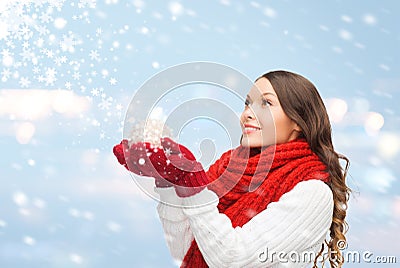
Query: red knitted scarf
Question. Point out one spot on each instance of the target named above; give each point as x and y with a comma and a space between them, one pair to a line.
273, 172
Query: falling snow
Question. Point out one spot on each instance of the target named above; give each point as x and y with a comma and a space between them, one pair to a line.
52, 48
151, 130
141, 161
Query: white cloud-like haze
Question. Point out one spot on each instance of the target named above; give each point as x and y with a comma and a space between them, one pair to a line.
36, 104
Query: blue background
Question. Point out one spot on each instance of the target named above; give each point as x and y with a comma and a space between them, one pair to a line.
70, 68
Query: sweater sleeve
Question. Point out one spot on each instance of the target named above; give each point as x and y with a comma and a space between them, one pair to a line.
298, 222
177, 232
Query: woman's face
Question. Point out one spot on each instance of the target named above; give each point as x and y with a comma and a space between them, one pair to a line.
263, 121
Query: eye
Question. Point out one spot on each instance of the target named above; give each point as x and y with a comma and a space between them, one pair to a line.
266, 102
246, 103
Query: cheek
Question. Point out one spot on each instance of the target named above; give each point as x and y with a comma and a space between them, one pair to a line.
283, 127
274, 123
266, 120
268, 128
268, 133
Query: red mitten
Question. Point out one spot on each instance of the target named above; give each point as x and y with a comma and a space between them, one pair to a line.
172, 164
187, 175
118, 151
134, 159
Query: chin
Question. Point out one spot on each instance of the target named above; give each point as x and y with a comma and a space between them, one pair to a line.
249, 143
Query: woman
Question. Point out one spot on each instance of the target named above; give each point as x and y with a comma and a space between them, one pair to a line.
276, 196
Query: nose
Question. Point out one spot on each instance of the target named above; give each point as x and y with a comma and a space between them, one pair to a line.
248, 114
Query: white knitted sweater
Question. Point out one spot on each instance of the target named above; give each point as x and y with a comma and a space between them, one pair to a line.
289, 233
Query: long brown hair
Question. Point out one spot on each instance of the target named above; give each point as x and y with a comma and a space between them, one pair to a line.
302, 103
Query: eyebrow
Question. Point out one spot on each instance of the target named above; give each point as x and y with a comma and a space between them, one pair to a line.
266, 93
269, 93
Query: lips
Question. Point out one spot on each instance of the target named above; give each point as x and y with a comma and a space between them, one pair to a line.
250, 129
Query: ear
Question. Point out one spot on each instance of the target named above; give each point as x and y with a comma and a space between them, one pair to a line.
296, 131
297, 128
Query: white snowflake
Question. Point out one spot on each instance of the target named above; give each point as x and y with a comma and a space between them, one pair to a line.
24, 82
94, 55
95, 91
51, 72
10, 43
26, 54
45, 18
76, 75
36, 70
17, 65
26, 32
56, 3
39, 42
168, 151
42, 30
68, 43
49, 53
5, 74
99, 31
40, 78
6, 53
113, 81
63, 59
50, 80
25, 45
57, 61
50, 76
68, 85
105, 103
89, 3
